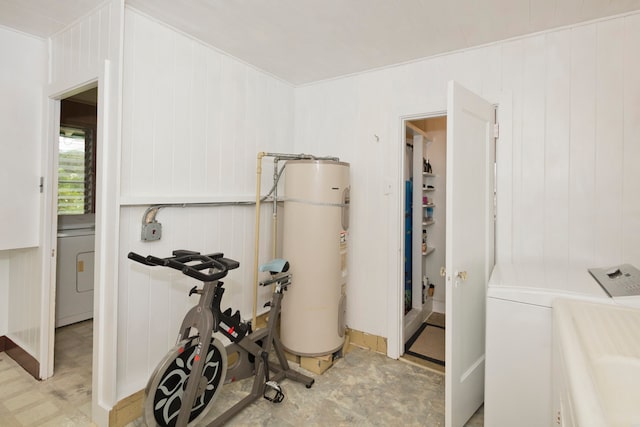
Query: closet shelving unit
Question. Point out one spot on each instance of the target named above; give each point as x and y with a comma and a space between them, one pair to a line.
427, 221
421, 181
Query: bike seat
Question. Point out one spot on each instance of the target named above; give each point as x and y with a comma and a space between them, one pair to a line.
277, 265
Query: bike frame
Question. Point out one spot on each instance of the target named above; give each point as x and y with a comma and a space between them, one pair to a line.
207, 318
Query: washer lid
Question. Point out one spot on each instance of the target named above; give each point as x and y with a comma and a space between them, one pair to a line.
540, 283
76, 232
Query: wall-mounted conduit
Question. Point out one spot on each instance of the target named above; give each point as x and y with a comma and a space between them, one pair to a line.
152, 229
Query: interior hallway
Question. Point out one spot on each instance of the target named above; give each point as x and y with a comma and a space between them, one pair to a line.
363, 388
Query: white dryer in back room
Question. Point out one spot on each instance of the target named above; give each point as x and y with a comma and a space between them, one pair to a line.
74, 271
518, 386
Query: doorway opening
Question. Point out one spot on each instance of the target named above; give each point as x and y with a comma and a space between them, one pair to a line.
74, 214
423, 291
469, 253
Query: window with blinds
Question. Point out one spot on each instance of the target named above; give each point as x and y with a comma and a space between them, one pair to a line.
76, 171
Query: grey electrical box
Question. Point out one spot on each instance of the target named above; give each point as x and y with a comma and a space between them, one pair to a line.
151, 231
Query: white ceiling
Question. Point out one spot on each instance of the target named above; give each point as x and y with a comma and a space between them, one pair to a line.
302, 41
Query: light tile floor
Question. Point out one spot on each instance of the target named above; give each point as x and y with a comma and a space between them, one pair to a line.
62, 400
363, 388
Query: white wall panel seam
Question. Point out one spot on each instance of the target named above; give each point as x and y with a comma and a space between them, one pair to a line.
631, 224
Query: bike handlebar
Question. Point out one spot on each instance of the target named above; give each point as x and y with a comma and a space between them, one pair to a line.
218, 265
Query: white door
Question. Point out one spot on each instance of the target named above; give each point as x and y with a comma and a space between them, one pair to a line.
469, 248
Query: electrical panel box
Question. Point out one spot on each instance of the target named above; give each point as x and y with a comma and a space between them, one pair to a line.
151, 231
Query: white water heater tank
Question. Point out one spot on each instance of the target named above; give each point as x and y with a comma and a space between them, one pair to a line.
316, 223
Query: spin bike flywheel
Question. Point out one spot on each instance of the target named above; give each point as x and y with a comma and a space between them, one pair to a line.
163, 395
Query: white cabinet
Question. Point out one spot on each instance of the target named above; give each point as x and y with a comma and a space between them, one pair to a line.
20, 150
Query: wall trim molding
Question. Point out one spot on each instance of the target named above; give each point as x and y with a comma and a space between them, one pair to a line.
127, 410
367, 341
21, 356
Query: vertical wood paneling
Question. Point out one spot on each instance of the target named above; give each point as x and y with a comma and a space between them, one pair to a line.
23, 294
75, 61
504, 187
569, 91
80, 49
181, 111
198, 122
213, 122
565, 99
138, 89
200, 116
630, 224
154, 300
609, 141
193, 122
532, 149
232, 104
492, 73
469, 77
4, 292
582, 120
128, 107
162, 106
555, 208
508, 155
125, 279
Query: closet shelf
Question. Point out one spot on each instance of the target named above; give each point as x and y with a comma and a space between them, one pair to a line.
429, 222
428, 205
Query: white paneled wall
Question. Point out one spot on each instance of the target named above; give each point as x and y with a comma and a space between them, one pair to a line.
78, 52
582, 121
194, 120
567, 180
86, 52
4, 292
630, 213
24, 296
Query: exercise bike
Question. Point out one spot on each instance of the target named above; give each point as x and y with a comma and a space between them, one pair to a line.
188, 379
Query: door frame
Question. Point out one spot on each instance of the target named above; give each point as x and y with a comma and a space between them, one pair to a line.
104, 363
50, 222
504, 115
395, 313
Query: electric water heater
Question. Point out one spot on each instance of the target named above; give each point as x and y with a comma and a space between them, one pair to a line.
315, 236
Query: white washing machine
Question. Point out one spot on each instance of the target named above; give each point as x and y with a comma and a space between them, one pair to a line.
74, 275
518, 386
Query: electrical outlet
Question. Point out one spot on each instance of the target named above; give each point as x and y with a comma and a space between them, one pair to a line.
151, 231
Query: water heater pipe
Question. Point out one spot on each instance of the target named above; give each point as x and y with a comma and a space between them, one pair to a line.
256, 249
274, 215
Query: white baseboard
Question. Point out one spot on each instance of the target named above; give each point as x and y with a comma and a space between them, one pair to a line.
439, 306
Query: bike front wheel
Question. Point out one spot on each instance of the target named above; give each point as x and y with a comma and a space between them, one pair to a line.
163, 395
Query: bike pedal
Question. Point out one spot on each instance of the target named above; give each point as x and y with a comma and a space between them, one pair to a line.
273, 392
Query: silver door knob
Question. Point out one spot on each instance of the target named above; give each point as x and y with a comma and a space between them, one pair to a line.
461, 275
